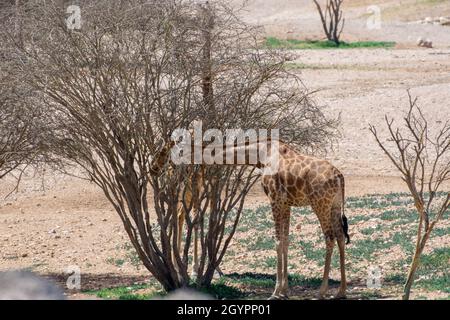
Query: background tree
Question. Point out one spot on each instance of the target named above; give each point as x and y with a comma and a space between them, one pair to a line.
332, 19
23, 131
424, 163
138, 70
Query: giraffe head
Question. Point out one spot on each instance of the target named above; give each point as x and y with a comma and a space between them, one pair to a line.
161, 158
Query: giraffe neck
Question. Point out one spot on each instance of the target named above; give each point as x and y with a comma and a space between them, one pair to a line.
257, 154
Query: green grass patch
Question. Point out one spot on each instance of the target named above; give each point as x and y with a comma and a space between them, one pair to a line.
441, 283
304, 211
312, 251
404, 240
396, 278
355, 219
125, 293
270, 262
220, 290
432, 274
316, 252
276, 43
401, 214
440, 232
259, 219
365, 249
371, 231
263, 280
435, 268
262, 242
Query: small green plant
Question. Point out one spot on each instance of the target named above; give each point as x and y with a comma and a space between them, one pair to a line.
115, 262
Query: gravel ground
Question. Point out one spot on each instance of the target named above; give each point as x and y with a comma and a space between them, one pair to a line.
59, 221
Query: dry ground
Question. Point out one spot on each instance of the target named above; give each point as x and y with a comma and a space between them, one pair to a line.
60, 221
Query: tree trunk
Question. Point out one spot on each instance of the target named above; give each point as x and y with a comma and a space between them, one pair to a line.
420, 245
411, 274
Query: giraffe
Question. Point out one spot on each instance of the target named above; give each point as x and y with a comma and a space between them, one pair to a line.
302, 180
192, 194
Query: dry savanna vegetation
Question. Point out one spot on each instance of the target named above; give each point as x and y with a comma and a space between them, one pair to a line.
87, 113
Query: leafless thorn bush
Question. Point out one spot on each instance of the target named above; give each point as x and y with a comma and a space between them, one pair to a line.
23, 123
116, 89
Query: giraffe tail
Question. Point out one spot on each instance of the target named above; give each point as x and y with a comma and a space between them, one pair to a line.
344, 218
345, 227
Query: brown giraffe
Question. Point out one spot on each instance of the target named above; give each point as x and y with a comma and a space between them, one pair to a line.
194, 189
302, 180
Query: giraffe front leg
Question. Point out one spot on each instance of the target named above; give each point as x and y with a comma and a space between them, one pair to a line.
194, 273
284, 280
280, 216
180, 223
276, 293
196, 206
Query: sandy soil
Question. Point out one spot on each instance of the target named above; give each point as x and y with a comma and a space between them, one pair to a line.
60, 221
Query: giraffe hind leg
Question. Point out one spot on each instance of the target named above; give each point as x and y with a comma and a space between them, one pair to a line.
329, 241
340, 234
323, 212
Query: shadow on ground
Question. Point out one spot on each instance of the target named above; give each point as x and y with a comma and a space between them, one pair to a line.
90, 282
260, 286
248, 286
